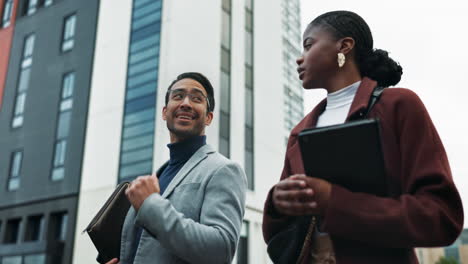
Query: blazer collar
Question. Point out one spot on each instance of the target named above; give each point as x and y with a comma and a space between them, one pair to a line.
359, 105
361, 99
196, 158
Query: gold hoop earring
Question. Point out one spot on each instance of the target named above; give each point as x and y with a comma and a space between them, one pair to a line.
341, 59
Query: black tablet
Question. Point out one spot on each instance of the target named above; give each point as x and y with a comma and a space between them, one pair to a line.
348, 154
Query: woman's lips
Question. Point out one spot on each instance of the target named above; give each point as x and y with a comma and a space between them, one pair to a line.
301, 75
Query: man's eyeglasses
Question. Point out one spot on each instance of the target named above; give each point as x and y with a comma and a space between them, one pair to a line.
195, 96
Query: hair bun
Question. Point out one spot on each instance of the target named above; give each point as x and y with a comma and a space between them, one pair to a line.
381, 68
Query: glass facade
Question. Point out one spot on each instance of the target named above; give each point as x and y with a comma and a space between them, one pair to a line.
136, 151
249, 94
293, 101
225, 85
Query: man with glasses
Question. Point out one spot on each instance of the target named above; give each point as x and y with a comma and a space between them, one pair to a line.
191, 210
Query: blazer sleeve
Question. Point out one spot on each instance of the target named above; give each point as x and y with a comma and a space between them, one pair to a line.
214, 238
273, 221
429, 211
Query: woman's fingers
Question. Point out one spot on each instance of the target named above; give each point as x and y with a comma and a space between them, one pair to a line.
296, 208
296, 195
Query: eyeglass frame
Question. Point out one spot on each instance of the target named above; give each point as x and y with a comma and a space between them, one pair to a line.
190, 95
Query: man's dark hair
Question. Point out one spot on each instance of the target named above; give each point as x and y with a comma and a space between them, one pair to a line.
202, 80
373, 63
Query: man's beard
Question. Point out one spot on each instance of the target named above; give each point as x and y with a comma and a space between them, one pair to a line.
183, 134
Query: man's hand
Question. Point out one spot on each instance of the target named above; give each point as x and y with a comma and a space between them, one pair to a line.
113, 261
141, 188
301, 195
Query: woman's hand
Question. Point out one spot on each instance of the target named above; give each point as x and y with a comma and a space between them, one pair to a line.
113, 261
301, 195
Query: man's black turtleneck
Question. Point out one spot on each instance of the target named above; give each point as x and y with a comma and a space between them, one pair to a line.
180, 153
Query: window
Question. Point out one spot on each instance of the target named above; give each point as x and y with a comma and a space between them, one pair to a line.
58, 171
452, 252
225, 60
28, 51
227, 5
15, 170
225, 102
31, 7
242, 253
249, 95
68, 33
63, 126
34, 227
464, 237
226, 29
59, 225
35, 259
225, 85
23, 82
12, 260
67, 92
12, 231
7, 11
68, 85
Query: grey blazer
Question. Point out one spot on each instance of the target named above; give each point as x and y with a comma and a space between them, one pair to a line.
197, 219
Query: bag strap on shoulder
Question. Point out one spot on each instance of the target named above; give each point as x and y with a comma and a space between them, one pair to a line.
374, 98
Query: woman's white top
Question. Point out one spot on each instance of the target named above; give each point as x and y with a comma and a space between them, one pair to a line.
336, 111
338, 105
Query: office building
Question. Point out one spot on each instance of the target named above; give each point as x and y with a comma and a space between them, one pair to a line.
82, 85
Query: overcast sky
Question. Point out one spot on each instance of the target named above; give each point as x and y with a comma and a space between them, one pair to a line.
428, 38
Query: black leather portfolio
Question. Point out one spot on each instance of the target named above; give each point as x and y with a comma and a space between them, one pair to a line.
106, 227
348, 154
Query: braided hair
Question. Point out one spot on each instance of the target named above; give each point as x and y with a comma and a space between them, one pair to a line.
373, 63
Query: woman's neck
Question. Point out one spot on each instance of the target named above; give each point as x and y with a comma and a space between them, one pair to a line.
344, 78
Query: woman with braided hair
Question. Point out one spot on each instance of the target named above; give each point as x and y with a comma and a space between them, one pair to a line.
423, 207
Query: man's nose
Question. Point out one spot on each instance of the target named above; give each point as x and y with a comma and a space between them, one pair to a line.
186, 102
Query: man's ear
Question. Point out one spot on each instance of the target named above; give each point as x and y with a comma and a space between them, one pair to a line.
164, 111
209, 118
346, 45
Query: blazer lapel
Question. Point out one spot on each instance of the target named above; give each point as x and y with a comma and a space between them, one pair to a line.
361, 99
196, 158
